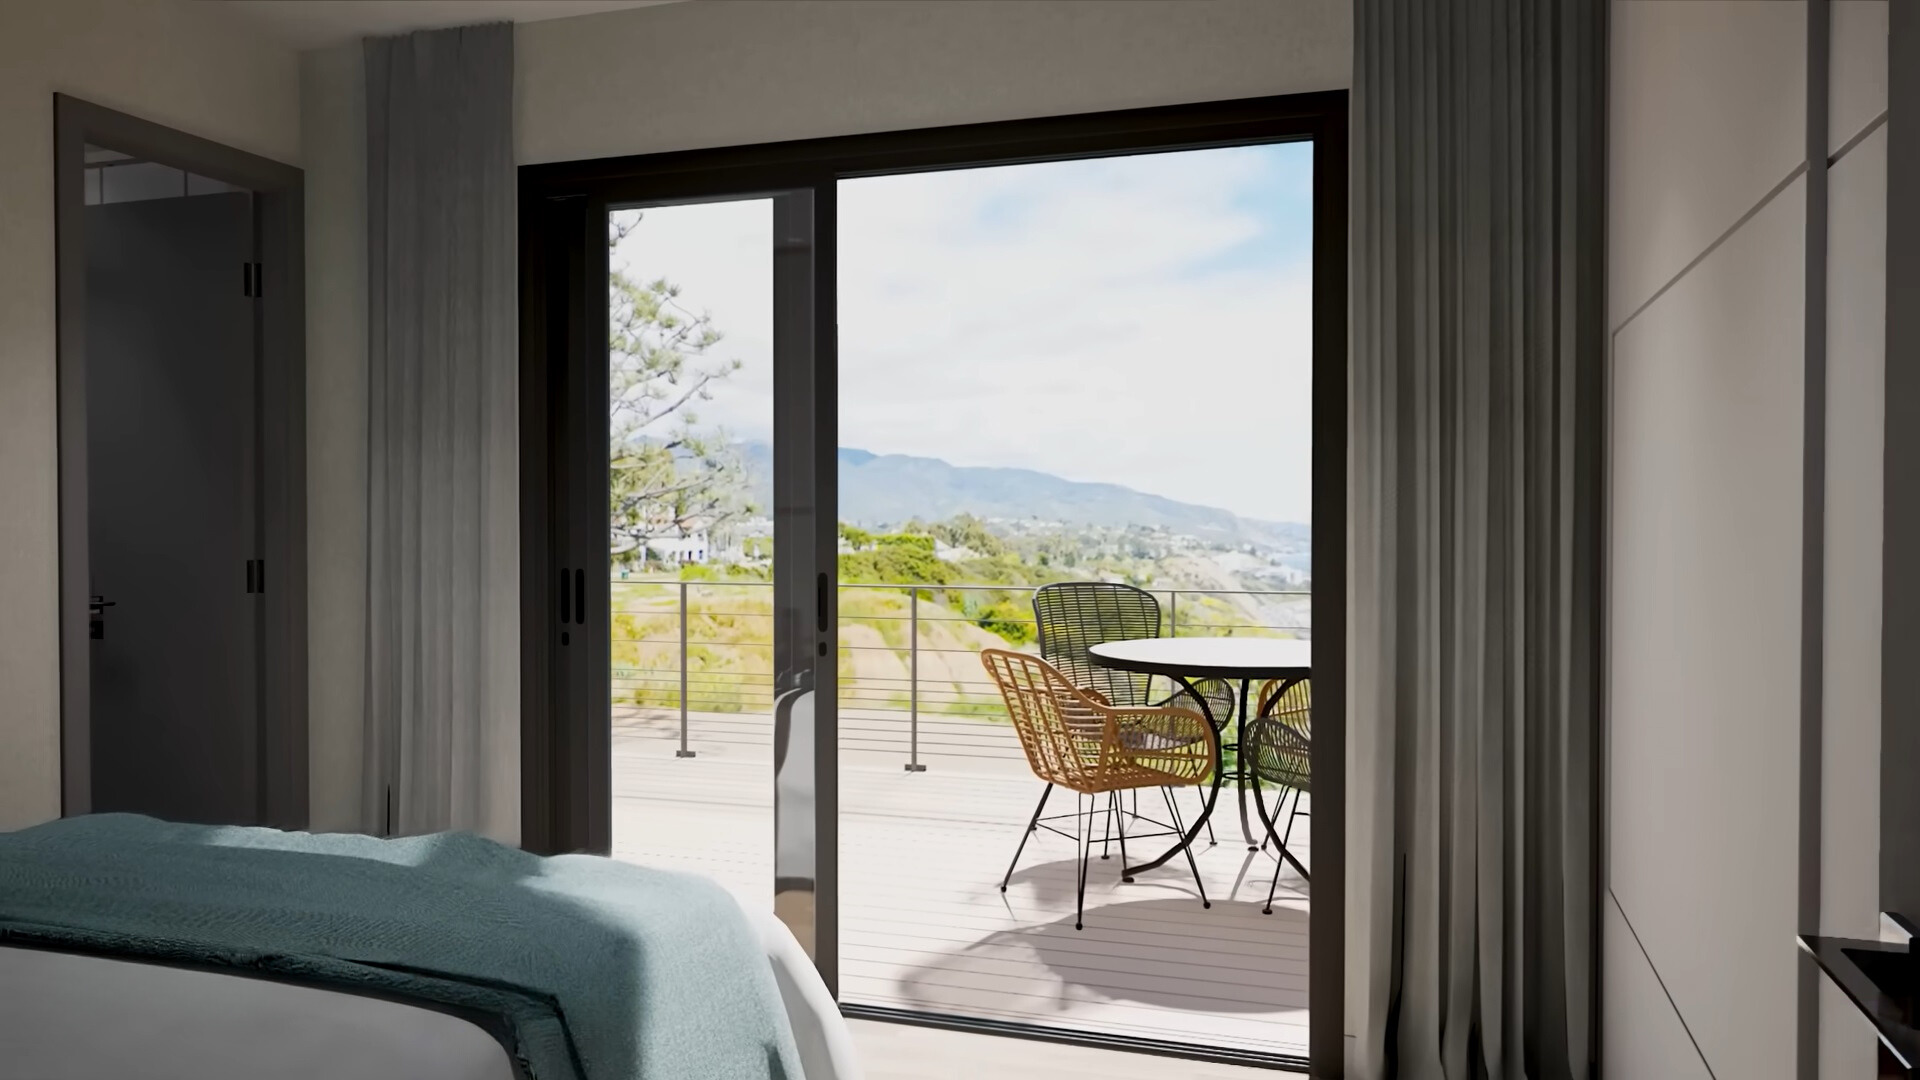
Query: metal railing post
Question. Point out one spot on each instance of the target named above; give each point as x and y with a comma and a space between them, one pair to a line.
683, 751
1173, 613
913, 682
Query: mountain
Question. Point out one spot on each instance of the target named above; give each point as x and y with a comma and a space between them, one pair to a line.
887, 489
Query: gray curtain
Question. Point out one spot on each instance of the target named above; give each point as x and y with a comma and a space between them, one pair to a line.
1476, 397
443, 626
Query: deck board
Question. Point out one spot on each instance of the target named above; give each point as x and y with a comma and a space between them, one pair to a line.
924, 924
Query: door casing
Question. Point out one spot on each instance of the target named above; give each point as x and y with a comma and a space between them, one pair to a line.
279, 230
567, 785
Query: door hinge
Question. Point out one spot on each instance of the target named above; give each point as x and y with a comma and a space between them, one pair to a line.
250, 278
256, 575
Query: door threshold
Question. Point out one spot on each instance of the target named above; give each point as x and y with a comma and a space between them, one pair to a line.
1127, 1043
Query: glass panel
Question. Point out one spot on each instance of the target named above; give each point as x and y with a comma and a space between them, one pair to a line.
691, 519
717, 624
1094, 371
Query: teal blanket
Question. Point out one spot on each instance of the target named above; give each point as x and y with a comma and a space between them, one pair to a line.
601, 970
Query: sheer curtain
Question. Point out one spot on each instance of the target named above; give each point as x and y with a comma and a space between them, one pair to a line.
1476, 388
443, 615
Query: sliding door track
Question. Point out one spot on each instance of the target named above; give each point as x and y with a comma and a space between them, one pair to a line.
1128, 1043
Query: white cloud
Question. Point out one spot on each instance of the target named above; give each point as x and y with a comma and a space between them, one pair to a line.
1102, 320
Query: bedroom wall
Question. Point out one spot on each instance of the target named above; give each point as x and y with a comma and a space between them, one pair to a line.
180, 64
1707, 245
677, 77
683, 76
1850, 834
333, 124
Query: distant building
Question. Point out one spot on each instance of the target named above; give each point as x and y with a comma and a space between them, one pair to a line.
1288, 575
679, 550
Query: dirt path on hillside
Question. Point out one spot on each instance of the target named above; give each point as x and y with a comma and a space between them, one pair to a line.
949, 655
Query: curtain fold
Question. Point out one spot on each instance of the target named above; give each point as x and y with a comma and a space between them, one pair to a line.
1476, 413
443, 618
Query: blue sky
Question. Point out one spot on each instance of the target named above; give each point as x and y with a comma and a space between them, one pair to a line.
1139, 320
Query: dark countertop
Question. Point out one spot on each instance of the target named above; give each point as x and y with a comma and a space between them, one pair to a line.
1882, 981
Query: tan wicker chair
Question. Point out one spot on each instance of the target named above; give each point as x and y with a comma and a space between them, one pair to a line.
1074, 739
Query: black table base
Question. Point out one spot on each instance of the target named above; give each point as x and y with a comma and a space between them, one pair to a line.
1240, 776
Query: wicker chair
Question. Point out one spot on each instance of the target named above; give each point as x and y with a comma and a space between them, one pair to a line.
1072, 615
1279, 749
1077, 740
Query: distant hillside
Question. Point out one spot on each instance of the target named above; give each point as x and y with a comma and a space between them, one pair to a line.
886, 489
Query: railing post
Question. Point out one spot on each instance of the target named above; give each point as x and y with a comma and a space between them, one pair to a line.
913, 682
683, 751
1173, 613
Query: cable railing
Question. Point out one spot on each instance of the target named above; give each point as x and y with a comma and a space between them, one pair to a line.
908, 655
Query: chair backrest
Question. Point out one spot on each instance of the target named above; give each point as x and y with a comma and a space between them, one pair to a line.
1281, 740
1291, 700
1072, 615
1060, 731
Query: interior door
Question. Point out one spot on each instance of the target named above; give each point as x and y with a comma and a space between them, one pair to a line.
687, 584
172, 511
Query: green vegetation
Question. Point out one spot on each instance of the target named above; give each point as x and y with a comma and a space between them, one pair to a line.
974, 591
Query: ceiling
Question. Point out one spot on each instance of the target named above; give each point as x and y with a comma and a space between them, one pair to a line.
312, 24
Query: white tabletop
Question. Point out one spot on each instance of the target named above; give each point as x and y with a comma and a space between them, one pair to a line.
1220, 657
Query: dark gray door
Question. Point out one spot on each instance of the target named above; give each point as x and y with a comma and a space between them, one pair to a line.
172, 513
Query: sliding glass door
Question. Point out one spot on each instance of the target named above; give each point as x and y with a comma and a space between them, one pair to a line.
694, 694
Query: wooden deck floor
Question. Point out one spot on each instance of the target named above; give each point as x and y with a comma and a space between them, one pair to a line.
924, 925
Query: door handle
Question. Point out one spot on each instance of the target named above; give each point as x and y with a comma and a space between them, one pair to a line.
96, 610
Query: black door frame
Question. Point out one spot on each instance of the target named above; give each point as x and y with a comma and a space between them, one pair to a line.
566, 784
280, 344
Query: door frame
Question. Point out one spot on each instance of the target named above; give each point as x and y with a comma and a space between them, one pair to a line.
280, 353
567, 787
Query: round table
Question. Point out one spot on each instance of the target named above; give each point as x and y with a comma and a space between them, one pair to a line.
1235, 659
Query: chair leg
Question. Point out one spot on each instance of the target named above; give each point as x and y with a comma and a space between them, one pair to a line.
1288, 834
1211, 839
1181, 828
1083, 839
1122, 819
1031, 826
1113, 808
1278, 861
1274, 885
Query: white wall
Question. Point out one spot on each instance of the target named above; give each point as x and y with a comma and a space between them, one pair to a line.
180, 64
1707, 252
699, 75
1855, 474
686, 76
333, 124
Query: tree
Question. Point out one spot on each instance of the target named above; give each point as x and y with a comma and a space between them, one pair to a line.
967, 531
668, 477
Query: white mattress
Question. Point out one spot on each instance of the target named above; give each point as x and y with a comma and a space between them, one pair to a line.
69, 1017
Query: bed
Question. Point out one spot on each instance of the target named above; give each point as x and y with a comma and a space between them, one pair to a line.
107, 971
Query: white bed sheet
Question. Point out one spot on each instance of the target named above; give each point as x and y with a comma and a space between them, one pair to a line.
71, 1017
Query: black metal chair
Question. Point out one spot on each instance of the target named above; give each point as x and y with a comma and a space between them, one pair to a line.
1278, 745
1073, 615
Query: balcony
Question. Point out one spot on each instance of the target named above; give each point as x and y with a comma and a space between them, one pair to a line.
934, 793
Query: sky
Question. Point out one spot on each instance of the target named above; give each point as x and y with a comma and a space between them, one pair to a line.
1141, 320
